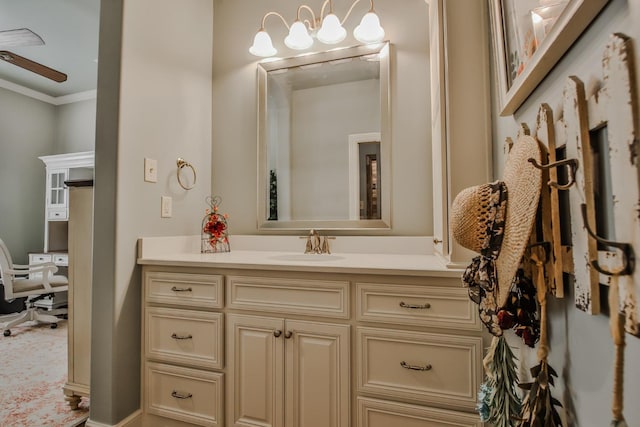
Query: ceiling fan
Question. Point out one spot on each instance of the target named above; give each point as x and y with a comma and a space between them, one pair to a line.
26, 37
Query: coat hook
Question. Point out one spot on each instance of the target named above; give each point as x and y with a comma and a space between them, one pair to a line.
546, 246
628, 256
571, 164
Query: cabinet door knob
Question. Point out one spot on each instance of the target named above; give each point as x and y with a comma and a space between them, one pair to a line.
427, 367
415, 306
288, 334
277, 333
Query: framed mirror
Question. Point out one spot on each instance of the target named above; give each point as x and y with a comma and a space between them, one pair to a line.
324, 148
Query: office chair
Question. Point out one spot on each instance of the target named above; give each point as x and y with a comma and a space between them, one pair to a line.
18, 284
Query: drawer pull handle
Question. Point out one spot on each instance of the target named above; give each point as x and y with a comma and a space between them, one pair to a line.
277, 333
179, 395
415, 368
415, 306
288, 334
176, 289
181, 337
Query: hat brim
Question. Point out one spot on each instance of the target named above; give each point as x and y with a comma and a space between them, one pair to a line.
524, 183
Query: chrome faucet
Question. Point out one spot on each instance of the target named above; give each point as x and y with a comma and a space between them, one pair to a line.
314, 245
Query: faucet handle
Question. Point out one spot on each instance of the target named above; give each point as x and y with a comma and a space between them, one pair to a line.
325, 244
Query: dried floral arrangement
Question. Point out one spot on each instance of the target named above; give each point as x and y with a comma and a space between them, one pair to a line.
215, 233
498, 400
539, 406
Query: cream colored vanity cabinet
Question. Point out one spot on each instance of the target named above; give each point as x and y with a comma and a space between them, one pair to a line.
283, 370
309, 348
182, 347
418, 353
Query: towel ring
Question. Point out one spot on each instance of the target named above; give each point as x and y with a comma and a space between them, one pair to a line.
181, 165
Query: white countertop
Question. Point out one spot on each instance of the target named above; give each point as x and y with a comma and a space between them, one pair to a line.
385, 255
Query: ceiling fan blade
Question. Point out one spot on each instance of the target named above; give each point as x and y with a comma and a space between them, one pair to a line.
32, 66
19, 37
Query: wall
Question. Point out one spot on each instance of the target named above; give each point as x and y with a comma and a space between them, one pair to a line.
581, 347
75, 127
33, 128
154, 100
28, 128
320, 149
234, 113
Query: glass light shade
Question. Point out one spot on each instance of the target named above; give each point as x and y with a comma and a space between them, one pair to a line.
369, 30
332, 31
262, 45
298, 38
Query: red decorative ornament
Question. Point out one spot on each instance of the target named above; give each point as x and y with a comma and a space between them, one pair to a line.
215, 235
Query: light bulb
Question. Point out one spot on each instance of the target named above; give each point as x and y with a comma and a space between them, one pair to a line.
262, 45
298, 38
369, 30
332, 31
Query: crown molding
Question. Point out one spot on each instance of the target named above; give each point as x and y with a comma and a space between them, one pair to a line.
53, 100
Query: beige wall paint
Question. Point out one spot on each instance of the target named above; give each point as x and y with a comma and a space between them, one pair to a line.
234, 112
154, 100
581, 347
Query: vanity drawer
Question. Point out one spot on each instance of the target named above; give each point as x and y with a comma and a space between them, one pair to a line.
185, 394
380, 413
297, 296
182, 336
429, 368
184, 289
418, 305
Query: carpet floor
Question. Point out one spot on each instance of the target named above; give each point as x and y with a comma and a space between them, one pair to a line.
33, 369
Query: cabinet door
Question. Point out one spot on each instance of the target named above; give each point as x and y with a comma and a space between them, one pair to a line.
317, 374
56, 191
255, 356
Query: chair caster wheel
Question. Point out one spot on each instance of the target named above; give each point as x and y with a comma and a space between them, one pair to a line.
54, 325
7, 332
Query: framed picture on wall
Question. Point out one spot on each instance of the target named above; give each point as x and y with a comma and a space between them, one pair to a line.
529, 38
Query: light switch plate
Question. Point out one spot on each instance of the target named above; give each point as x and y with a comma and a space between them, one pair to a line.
150, 170
166, 207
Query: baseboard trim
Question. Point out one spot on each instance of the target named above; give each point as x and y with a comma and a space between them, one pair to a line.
133, 420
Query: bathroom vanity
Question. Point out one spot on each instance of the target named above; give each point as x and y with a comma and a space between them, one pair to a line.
281, 338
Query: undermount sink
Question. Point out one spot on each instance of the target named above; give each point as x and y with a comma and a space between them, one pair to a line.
307, 257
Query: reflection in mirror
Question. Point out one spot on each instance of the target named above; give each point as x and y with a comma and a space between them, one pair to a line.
324, 149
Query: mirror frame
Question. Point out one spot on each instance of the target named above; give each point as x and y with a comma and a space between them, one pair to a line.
384, 223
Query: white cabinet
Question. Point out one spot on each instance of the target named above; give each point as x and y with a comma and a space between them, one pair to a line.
285, 372
61, 168
56, 199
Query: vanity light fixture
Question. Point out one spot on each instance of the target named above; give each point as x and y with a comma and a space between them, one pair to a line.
327, 29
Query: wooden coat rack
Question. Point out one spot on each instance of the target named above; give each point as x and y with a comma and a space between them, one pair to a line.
608, 175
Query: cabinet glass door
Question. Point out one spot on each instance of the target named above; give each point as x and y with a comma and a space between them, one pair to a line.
57, 191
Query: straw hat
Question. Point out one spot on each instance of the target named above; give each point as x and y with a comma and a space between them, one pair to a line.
470, 220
